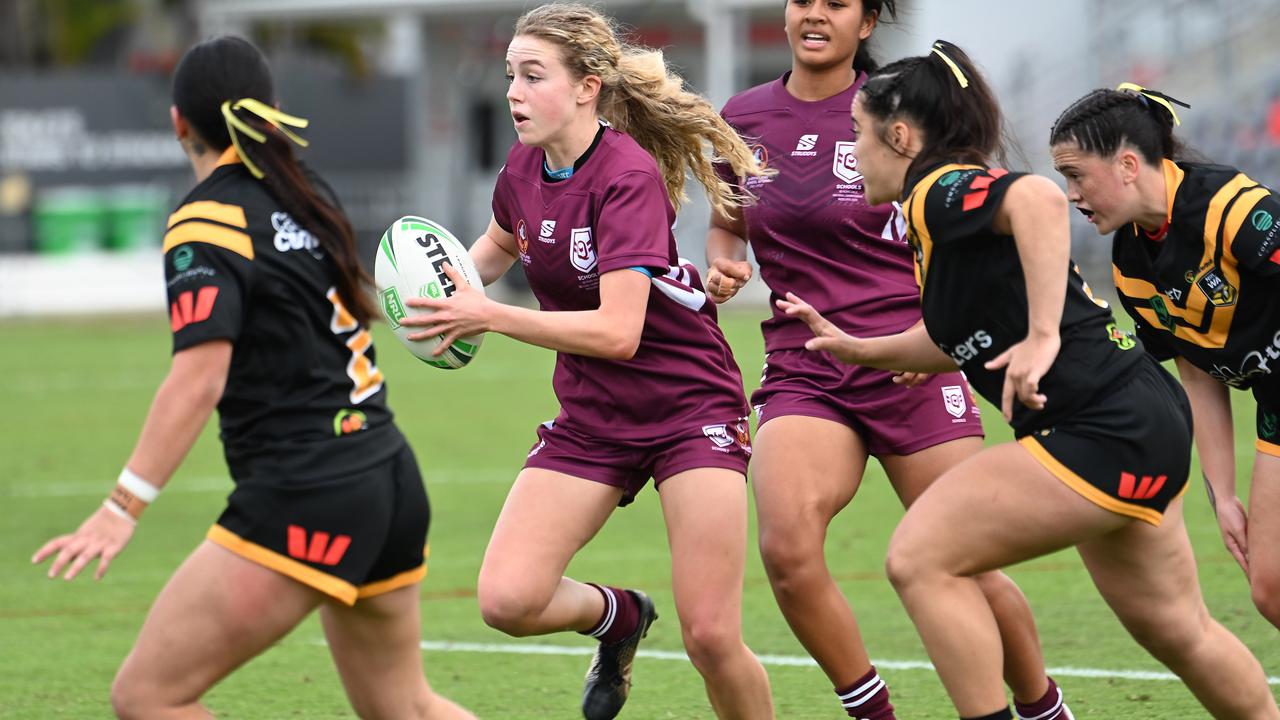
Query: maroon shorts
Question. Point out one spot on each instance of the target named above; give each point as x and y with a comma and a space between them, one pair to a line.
628, 464
891, 419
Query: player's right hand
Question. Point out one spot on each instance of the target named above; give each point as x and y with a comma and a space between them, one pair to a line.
826, 336
1234, 524
103, 535
726, 277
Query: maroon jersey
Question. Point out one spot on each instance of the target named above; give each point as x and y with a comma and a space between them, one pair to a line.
613, 214
811, 229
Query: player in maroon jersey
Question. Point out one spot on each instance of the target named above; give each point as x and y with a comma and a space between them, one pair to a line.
813, 233
646, 382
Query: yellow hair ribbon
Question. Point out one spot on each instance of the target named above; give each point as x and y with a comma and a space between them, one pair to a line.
277, 119
955, 69
1158, 97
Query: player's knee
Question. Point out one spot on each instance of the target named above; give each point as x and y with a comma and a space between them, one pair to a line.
1266, 597
788, 557
506, 610
131, 699
902, 565
708, 641
1170, 639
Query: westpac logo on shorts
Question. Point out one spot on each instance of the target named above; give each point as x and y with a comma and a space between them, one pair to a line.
953, 400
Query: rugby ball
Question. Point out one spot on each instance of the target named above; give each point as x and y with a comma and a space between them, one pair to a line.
410, 263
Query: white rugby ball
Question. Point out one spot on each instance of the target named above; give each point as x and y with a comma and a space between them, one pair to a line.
410, 263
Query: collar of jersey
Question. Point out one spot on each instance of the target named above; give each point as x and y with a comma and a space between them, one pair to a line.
228, 157
1173, 176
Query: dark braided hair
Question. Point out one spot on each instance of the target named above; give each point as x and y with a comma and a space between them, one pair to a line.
1102, 121
863, 61
229, 68
960, 124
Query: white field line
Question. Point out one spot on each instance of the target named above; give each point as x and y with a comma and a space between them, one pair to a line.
211, 484
776, 660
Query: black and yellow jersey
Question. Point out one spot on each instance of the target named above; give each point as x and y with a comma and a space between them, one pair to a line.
974, 296
1205, 287
304, 397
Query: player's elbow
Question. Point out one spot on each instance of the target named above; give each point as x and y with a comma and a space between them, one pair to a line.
621, 346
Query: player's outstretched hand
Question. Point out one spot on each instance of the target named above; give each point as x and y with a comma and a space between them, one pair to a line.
467, 312
827, 337
1025, 364
103, 535
726, 277
1234, 524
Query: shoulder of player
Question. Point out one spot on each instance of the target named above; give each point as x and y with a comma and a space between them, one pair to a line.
749, 101
619, 154
523, 163
236, 214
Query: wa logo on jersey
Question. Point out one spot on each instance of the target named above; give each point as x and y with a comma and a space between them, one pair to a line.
805, 146
953, 400
548, 230
845, 165
1219, 291
582, 251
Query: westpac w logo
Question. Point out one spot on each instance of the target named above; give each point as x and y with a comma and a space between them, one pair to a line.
320, 549
1133, 488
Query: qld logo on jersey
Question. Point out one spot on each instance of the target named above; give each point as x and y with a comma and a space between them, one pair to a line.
954, 402
845, 165
582, 250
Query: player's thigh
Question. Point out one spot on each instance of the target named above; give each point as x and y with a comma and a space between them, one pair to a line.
1264, 525
217, 611
548, 516
376, 647
804, 470
998, 507
706, 516
1147, 574
912, 474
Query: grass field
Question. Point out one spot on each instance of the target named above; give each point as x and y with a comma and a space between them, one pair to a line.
77, 392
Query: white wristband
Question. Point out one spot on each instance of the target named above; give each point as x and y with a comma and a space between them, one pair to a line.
141, 489
113, 507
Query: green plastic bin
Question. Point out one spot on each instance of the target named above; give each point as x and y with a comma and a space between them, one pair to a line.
68, 220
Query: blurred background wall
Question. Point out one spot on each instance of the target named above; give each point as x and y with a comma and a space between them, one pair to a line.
406, 99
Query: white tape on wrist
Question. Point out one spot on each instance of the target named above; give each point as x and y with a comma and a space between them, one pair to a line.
139, 488
113, 507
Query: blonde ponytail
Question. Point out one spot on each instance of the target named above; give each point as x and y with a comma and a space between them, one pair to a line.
640, 96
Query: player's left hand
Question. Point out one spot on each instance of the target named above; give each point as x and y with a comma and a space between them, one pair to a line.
102, 535
466, 312
827, 337
1025, 363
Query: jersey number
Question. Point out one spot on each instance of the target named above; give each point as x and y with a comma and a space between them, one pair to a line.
365, 376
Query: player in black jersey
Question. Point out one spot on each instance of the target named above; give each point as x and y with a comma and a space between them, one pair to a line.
269, 311
1197, 265
1104, 434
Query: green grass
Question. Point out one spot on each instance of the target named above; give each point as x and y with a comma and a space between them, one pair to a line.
76, 393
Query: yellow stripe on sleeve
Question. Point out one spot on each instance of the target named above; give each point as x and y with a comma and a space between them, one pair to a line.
232, 215
224, 237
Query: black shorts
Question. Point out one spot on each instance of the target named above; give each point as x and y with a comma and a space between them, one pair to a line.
352, 536
1268, 421
1129, 451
